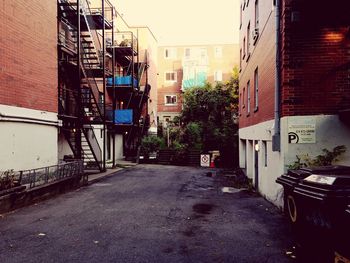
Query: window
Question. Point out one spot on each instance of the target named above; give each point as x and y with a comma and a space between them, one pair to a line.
256, 13
170, 76
170, 100
256, 89
218, 75
248, 38
248, 97
240, 59
203, 53
243, 48
240, 17
240, 104
218, 52
170, 53
243, 99
187, 52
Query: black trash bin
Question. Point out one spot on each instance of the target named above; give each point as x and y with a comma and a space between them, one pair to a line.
319, 195
289, 181
324, 196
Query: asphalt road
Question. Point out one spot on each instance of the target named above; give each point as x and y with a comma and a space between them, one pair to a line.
148, 213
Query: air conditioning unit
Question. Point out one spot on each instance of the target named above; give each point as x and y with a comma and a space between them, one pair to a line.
255, 34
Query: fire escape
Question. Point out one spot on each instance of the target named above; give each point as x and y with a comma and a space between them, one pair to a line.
129, 89
82, 77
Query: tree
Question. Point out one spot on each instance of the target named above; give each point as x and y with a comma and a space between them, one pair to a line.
209, 118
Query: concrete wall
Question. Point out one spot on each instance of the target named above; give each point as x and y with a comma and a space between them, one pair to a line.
63, 147
119, 154
28, 138
330, 132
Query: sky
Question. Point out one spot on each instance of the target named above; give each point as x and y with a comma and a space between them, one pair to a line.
184, 21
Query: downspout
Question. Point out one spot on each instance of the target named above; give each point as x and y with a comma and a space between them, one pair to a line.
276, 137
104, 86
113, 88
79, 106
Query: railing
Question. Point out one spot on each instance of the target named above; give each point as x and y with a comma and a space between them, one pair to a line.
41, 176
67, 102
64, 37
123, 39
91, 139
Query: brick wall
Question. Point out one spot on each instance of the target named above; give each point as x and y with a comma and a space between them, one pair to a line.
262, 56
225, 63
28, 52
316, 57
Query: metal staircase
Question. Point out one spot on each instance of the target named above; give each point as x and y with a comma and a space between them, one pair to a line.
80, 134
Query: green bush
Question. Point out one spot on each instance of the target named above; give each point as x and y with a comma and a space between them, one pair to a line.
151, 144
327, 158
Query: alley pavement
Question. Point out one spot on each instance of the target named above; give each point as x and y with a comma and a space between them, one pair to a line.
148, 213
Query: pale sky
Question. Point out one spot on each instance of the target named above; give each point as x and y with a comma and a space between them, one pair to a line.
184, 21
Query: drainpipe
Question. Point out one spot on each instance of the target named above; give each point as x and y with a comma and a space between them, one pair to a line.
276, 137
104, 86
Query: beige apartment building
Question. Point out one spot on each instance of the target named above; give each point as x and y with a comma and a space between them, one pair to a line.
186, 66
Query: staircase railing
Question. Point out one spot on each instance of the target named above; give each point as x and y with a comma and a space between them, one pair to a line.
90, 137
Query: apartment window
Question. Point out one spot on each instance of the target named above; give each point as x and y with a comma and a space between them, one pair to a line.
256, 89
248, 97
240, 59
240, 17
248, 39
218, 52
170, 53
218, 75
170, 76
243, 48
170, 100
203, 53
240, 104
243, 99
187, 52
256, 13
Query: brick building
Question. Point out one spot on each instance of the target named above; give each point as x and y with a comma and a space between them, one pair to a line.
303, 108
183, 67
74, 83
28, 84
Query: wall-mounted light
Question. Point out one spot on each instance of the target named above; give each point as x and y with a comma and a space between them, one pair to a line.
256, 147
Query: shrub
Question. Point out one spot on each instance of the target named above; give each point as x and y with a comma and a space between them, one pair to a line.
151, 144
327, 158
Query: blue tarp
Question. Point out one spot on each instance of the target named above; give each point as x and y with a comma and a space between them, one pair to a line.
198, 81
123, 117
121, 81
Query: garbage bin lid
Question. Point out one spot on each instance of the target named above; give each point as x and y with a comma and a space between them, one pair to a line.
299, 174
328, 170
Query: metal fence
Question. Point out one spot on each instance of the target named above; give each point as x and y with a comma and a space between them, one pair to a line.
41, 176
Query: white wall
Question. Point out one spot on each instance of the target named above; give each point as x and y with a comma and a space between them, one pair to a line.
26, 143
275, 164
63, 147
330, 132
119, 154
